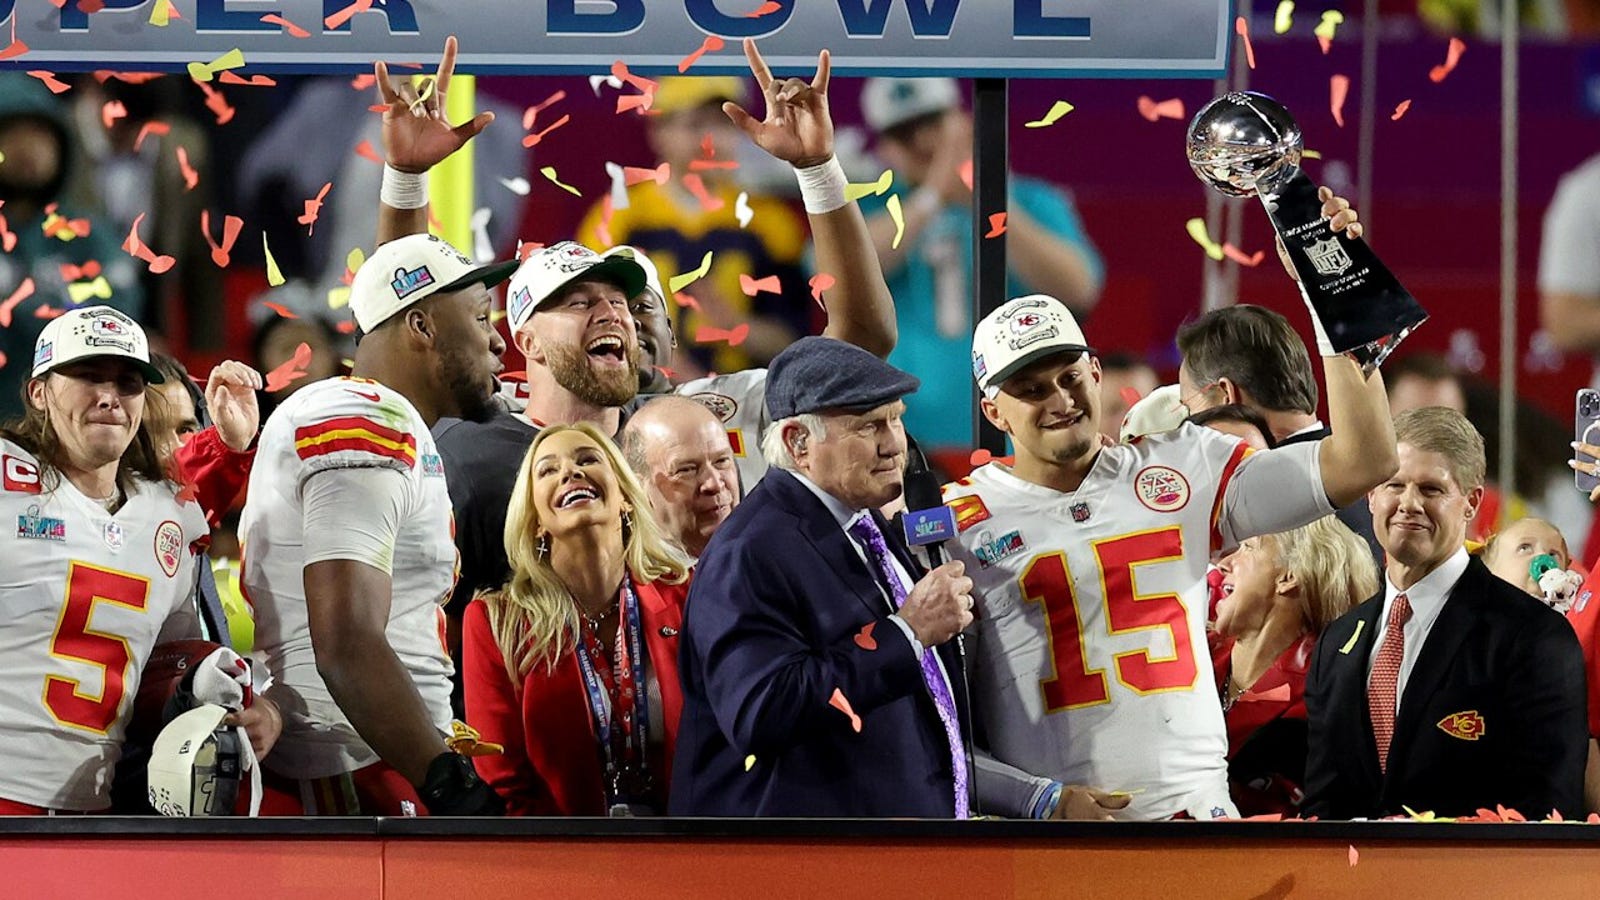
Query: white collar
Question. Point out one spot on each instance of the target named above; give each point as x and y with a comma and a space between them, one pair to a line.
1428, 595
1313, 428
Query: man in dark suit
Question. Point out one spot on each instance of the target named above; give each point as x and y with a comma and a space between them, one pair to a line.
819, 674
1252, 356
1450, 691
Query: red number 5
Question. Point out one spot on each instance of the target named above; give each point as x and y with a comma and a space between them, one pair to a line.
1073, 684
74, 639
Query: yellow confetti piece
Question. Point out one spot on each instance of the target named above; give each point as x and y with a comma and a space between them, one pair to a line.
82, 291
274, 274
1355, 636
749, 762
354, 259
1284, 17
1197, 230
1310, 154
899, 219
550, 173
233, 59
162, 14
427, 91
1060, 109
497, 316
1331, 20
678, 282
854, 192
339, 298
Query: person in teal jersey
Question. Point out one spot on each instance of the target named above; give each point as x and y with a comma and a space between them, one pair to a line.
925, 136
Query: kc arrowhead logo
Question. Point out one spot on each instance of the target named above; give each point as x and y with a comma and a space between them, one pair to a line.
1466, 726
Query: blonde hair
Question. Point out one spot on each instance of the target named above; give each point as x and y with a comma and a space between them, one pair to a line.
1441, 430
533, 616
1333, 566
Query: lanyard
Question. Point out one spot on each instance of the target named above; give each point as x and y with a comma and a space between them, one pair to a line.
622, 726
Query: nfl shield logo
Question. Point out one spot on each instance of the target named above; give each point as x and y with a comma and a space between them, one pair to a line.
1329, 257
1080, 512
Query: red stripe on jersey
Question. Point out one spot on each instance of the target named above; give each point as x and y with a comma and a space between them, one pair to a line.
360, 444
348, 422
1239, 453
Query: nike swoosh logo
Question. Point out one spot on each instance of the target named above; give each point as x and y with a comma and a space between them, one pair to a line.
371, 396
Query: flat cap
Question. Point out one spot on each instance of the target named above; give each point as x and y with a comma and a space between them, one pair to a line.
820, 373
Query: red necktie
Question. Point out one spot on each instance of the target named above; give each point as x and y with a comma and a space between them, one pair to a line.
1381, 687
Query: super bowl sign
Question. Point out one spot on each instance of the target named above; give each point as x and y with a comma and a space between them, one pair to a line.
1009, 38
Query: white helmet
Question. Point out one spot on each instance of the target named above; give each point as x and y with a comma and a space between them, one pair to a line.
197, 763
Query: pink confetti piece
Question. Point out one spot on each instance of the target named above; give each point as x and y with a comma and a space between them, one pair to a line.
253, 81
997, 225
190, 176
839, 702
530, 114
150, 127
365, 151
1242, 29
1452, 56
965, 171
534, 139
139, 250
1400, 110
1238, 256
640, 102
1166, 109
292, 370
1338, 90
697, 187
90, 269
314, 209
278, 308
217, 103
864, 638
1355, 856
753, 286
56, 85
734, 336
820, 284
363, 82
23, 292
765, 9
686, 301
231, 226
293, 29
711, 44
344, 15
632, 175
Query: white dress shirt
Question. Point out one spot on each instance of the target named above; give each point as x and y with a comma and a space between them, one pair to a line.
1427, 598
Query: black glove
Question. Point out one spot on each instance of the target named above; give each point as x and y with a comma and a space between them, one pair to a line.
453, 788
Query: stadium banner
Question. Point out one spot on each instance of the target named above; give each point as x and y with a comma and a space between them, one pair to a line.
971, 38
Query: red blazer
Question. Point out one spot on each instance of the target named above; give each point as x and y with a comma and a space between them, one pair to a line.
551, 765
1271, 777
217, 472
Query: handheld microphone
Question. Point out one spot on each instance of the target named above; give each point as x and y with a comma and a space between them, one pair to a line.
927, 521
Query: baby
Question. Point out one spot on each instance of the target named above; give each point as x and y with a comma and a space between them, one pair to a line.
1511, 554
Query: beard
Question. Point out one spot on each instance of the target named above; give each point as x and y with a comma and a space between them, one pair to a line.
611, 387
470, 390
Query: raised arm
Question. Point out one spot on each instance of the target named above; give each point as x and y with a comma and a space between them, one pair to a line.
798, 129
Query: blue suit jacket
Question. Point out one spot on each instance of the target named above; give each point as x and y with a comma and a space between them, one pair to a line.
778, 601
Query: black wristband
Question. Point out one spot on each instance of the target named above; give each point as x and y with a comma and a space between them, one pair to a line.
452, 788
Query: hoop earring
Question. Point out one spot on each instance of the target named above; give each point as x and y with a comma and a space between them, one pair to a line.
542, 548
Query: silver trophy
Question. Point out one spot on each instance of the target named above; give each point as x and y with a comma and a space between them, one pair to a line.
1246, 144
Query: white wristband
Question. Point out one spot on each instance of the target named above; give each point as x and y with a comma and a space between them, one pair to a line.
403, 190
822, 186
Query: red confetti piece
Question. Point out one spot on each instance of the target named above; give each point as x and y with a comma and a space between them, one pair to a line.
734, 336
229, 77
16, 48
532, 112
965, 171
1129, 395
23, 292
344, 15
1355, 856
864, 639
90, 7
8, 238
533, 139
997, 225
838, 701
1452, 56
525, 250
230, 233
186, 492
48, 312
820, 283
104, 75
293, 29
632, 175
1166, 109
88, 270
280, 309
362, 82
1593, 819
698, 189
1555, 816
686, 301
1509, 815
345, 327
56, 85
365, 151
640, 102
1338, 90
1242, 29
711, 44
1327, 44
1400, 110
138, 249
1238, 256
766, 9
190, 176
619, 70
981, 456
314, 208
292, 370
217, 103
150, 127
704, 165
753, 286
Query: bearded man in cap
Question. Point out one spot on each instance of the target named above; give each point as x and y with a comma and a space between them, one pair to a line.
819, 673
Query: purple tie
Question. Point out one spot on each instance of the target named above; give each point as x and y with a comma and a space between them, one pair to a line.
865, 530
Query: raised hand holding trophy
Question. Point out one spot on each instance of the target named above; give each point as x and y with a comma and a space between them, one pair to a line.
1246, 144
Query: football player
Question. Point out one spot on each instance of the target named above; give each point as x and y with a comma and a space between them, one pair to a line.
1089, 564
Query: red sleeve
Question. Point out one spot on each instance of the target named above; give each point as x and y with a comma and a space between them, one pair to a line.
217, 472
1584, 616
494, 710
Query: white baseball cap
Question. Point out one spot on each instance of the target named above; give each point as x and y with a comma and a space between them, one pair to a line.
1158, 412
652, 276
90, 332
196, 764
413, 268
887, 102
549, 269
1018, 333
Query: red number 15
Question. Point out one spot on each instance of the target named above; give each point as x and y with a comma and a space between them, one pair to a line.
1074, 684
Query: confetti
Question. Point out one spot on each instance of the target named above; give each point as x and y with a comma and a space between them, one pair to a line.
233, 59
1555, 816
48, 312
687, 302
711, 44
1338, 89
838, 701
8, 239
1057, 110
854, 192
292, 370
1197, 230
482, 247
80, 292
997, 225
1238, 256
217, 103
23, 292
314, 209
864, 638
230, 233
190, 176
1310, 154
352, 263
766, 9
365, 151
550, 173
749, 762
618, 197
1331, 20
56, 85
339, 298
531, 114
161, 16
742, 210
640, 102
138, 249
1400, 110
16, 48
734, 336
293, 29
678, 282
753, 286
70, 272
1166, 109
619, 70
1284, 17
697, 187
1452, 56
596, 80
1508, 814
338, 19
252, 81
820, 283
150, 127
1241, 27
898, 218
1355, 856
362, 82
518, 185
274, 274
633, 175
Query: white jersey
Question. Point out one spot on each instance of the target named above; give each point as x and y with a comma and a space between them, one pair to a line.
739, 399
1091, 664
343, 423
86, 594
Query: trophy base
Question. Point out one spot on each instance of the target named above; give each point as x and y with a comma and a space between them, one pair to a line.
1370, 356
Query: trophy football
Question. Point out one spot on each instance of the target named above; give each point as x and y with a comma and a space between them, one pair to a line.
1246, 144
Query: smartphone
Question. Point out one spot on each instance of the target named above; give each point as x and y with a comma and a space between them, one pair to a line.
1586, 430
